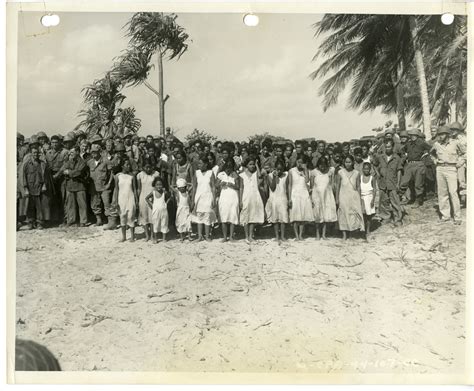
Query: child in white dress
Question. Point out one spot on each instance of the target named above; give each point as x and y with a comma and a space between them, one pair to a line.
145, 187
126, 198
251, 203
183, 215
301, 210
322, 195
368, 194
277, 204
203, 213
159, 204
228, 182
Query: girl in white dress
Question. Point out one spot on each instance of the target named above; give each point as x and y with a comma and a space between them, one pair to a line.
157, 201
183, 215
251, 203
204, 199
301, 210
277, 204
126, 198
145, 186
228, 182
368, 194
322, 195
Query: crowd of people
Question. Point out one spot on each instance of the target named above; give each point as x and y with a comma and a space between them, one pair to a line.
163, 184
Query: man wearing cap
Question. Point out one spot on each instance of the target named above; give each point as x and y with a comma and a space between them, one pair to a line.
100, 185
449, 155
74, 172
389, 134
415, 169
96, 139
21, 147
56, 157
69, 141
109, 151
457, 133
37, 189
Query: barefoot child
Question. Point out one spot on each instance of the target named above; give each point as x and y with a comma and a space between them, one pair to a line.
145, 180
322, 195
126, 197
251, 203
367, 193
157, 201
277, 204
228, 182
204, 198
183, 215
301, 210
349, 214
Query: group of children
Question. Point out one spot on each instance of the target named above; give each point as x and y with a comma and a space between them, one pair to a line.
161, 183
251, 197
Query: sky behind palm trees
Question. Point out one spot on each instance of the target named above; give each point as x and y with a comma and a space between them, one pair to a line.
234, 81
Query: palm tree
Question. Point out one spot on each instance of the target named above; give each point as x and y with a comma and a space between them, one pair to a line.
374, 53
150, 33
103, 114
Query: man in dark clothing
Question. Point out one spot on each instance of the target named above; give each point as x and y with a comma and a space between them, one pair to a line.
74, 172
56, 157
37, 189
100, 184
389, 168
415, 169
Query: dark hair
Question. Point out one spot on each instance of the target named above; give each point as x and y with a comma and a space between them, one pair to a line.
249, 158
289, 145
203, 157
281, 162
357, 151
390, 141
350, 157
267, 142
228, 164
367, 164
211, 154
302, 156
322, 160
156, 180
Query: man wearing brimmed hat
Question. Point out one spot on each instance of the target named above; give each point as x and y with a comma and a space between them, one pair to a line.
56, 156
100, 185
38, 189
449, 155
74, 172
458, 133
415, 169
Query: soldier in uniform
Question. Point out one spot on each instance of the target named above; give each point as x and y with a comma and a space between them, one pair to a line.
415, 169
458, 133
56, 157
100, 184
74, 172
449, 155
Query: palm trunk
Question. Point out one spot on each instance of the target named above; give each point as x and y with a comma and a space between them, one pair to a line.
420, 70
161, 101
400, 96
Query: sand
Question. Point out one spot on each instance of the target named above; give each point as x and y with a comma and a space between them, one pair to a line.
395, 304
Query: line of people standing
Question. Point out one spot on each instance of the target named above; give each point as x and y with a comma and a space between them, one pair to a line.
158, 182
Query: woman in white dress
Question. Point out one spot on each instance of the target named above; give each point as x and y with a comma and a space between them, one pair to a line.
277, 204
204, 191
158, 201
229, 183
126, 198
145, 186
251, 204
183, 215
322, 195
368, 193
301, 210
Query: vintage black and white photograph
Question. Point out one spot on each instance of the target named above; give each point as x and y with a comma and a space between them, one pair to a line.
228, 192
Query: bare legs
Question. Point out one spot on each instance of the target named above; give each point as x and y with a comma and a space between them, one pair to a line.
298, 227
227, 227
279, 229
124, 233
323, 231
207, 232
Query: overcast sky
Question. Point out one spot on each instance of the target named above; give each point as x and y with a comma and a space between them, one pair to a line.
234, 80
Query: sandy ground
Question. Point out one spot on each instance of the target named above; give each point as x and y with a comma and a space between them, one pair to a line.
395, 304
